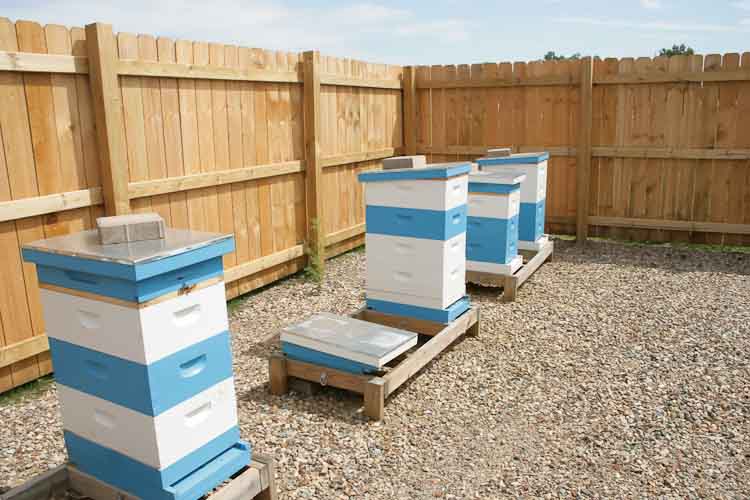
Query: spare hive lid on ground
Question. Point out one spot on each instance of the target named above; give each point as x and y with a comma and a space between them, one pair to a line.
349, 338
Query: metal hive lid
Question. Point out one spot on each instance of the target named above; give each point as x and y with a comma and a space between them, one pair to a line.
86, 245
351, 334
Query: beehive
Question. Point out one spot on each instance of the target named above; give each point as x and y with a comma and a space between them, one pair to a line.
139, 340
533, 193
492, 227
416, 241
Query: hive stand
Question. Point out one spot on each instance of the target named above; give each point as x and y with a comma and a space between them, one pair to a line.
254, 482
377, 387
511, 284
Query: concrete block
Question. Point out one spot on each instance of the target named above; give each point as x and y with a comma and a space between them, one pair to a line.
498, 152
397, 162
130, 228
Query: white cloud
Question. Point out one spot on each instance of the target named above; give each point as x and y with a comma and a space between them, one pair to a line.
652, 25
741, 4
651, 4
353, 30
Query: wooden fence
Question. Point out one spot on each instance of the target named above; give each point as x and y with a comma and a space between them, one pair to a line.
661, 146
265, 145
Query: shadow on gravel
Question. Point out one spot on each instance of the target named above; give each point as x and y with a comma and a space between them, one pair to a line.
328, 402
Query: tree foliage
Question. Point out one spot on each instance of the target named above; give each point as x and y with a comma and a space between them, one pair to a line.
553, 56
677, 50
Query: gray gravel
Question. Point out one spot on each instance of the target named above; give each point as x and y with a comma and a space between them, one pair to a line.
620, 371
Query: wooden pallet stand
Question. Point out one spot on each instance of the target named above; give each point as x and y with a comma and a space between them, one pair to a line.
254, 482
511, 284
377, 387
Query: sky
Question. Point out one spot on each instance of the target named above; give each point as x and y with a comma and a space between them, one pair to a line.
421, 32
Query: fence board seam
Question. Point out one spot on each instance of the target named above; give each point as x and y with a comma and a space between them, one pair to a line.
583, 151
345, 234
155, 187
40, 205
332, 161
261, 264
24, 349
133, 67
43, 63
333, 79
606, 152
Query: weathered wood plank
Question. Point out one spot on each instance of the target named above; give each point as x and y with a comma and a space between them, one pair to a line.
105, 90
43, 63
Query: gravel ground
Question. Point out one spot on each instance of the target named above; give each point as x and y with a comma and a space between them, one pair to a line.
620, 371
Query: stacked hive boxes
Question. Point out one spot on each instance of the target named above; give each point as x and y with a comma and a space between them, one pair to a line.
140, 346
416, 241
533, 193
492, 228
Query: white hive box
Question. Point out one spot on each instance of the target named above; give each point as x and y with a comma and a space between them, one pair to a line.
155, 441
142, 335
418, 194
345, 343
421, 272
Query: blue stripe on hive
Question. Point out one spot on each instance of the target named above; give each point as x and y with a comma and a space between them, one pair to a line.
189, 478
484, 187
444, 316
126, 289
492, 240
415, 223
516, 159
452, 170
531, 221
314, 357
149, 389
128, 272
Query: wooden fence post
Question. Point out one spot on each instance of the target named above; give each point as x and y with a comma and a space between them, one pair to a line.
583, 163
313, 166
105, 91
410, 111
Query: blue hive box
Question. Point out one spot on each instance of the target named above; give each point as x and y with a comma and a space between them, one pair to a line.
492, 231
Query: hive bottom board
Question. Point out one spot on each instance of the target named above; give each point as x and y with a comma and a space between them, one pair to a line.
376, 388
253, 482
139, 480
444, 316
510, 284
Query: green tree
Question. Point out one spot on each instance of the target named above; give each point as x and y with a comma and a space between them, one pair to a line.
677, 50
553, 56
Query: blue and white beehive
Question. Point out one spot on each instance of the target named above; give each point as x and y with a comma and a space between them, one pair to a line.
416, 241
492, 227
139, 339
533, 193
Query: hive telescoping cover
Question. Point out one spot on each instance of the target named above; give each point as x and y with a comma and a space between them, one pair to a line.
351, 339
